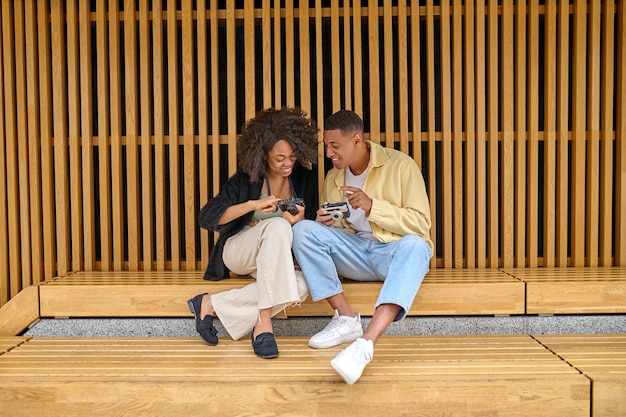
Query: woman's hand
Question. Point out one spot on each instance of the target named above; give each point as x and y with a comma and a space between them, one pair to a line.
294, 218
267, 204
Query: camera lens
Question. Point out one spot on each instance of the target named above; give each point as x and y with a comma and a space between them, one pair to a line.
336, 215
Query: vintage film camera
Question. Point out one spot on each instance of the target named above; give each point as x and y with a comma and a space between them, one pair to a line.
289, 204
337, 211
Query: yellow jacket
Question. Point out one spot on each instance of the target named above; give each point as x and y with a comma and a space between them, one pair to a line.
395, 184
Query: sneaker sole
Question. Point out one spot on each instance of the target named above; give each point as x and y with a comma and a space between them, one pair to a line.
344, 339
342, 374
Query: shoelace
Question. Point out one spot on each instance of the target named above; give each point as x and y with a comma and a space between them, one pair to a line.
334, 323
361, 352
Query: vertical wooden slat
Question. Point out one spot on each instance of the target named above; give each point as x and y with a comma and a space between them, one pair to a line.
592, 104
481, 139
456, 91
305, 58
607, 86
34, 143
347, 53
523, 223
403, 77
5, 275
507, 110
266, 30
189, 176
374, 76
104, 152
289, 58
319, 93
146, 88
47, 166
578, 168
172, 86
431, 134
549, 128
447, 208
203, 128
389, 69
278, 91
248, 45
357, 61
132, 132
335, 58
469, 108
159, 134
60, 208
215, 110
562, 175
86, 137
620, 138
22, 146
532, 171
74, 133
416, 87
493, 109
115, 83
231, 86
61, 165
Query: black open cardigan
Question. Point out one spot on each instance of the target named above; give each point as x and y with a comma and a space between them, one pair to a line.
239, 189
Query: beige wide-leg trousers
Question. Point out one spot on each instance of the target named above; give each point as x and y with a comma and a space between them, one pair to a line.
262, 251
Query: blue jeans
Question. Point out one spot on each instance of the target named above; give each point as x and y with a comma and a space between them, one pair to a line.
325, 252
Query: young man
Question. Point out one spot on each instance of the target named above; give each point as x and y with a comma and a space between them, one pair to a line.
383, 237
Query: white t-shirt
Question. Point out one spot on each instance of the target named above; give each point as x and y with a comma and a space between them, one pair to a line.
357, 216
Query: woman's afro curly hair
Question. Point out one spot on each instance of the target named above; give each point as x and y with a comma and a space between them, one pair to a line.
260, 134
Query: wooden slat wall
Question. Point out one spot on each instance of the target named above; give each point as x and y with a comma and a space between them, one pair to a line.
119, 122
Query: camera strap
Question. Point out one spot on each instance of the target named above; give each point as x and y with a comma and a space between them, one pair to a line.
269, 191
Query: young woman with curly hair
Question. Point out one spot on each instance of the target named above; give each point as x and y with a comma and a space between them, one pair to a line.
276, 153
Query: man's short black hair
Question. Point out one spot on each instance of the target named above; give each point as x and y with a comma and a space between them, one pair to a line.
345, 120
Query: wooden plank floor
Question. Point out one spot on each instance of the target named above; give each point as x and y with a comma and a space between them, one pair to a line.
506, 375
573, 290
164, 294
602, 358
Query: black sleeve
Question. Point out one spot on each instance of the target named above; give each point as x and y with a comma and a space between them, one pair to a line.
305, 184
236, 190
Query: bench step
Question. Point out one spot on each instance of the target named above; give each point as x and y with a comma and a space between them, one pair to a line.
447, 375
164, 294
573, 290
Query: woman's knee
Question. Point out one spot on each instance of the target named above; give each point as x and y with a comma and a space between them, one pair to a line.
277, 226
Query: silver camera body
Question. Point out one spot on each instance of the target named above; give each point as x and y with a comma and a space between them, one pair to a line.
337, 211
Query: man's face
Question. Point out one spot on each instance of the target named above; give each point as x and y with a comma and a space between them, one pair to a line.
340, 147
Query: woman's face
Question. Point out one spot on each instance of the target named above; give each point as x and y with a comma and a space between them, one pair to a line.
281, 159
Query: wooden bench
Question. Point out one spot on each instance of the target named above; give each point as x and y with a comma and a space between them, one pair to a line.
445, 375
460, 292
573, 290
164, 294
602, 358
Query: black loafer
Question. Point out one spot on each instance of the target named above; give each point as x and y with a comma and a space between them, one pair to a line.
205, 326
265, 345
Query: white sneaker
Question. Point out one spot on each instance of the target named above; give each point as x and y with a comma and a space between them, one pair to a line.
350, 362
339, 330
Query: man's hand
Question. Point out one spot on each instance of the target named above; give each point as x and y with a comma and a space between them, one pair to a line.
324, 217
357, 198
